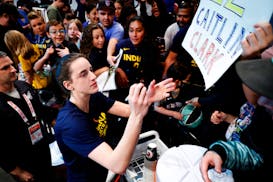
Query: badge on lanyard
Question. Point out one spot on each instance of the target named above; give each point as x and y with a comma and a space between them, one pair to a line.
34, 130
35, 133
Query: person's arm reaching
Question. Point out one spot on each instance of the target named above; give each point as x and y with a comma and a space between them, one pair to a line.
112, 159
231, 155
111, 50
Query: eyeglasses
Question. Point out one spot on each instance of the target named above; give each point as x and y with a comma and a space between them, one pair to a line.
62, 31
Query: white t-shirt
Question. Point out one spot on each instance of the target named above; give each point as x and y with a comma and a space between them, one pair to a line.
169, 35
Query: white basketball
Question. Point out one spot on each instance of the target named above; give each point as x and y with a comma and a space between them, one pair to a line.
180, 164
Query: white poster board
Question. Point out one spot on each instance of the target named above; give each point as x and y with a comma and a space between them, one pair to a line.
42, 11
215, 35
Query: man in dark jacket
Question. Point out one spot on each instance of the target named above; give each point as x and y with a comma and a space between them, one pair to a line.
23, 133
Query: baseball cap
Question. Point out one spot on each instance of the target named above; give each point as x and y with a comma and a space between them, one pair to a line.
257, 75
192, 116
106, 5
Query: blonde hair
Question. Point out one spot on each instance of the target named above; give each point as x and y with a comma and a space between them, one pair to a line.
77, 22
18, 44
34, 15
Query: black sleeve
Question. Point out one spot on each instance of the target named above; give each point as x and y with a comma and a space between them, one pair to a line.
73, 48
8, 142
178, 39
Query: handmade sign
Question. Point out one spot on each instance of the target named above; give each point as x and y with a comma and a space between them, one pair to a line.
215, 35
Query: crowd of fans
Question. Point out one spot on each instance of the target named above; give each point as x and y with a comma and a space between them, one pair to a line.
47, 59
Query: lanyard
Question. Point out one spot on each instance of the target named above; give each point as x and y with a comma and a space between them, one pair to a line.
20, 112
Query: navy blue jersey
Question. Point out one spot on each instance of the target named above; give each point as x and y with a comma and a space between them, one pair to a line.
140, 63
77, 136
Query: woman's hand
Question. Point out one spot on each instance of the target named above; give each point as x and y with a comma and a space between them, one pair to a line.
111, 60
62, 52
138, 100
49, 51
22, 175
217, 117
79, 34
160, 91
213, 159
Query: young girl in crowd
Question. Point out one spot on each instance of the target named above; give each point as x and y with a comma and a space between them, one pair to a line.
91, 14
74, 31
139, 63
31, 62
118, 8
140, 59
94, 47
